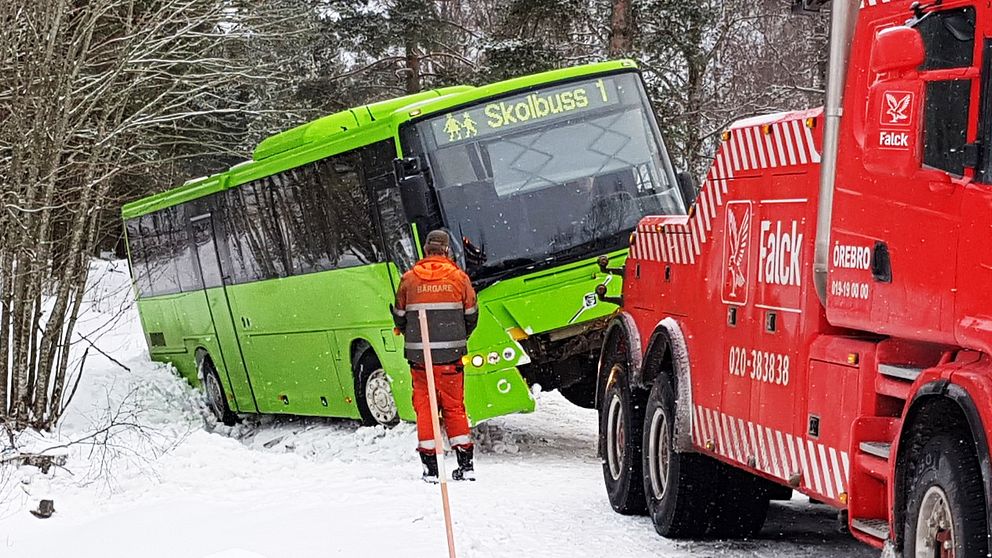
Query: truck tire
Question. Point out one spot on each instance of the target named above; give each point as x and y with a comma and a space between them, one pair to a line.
679, 487
213, 393
691, 495
621, 417
945, 500
741, 504
373, 393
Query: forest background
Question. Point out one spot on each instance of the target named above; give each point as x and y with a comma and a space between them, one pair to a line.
105, 101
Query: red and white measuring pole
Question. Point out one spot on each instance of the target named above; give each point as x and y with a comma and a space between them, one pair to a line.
436, 425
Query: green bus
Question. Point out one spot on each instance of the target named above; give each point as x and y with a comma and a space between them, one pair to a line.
269, 284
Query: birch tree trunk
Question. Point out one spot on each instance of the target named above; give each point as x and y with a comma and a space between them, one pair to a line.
92, 94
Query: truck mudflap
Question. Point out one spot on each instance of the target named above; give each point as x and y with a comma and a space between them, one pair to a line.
622, 324
670, 330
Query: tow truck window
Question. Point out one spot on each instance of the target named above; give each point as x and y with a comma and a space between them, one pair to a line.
949, 39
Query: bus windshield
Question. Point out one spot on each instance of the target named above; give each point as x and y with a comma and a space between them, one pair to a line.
551, 175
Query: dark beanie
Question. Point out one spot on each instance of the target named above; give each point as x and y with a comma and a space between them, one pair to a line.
437, 242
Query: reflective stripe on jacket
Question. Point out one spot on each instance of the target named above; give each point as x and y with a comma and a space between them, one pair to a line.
436, 286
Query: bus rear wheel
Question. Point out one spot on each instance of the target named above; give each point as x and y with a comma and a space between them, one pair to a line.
946, 501
376, 404
213, 393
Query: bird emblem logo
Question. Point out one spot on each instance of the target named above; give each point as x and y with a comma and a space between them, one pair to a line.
736, 249
897, 108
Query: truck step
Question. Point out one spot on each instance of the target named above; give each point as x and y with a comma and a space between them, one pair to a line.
878, 528
878, 449
899, 372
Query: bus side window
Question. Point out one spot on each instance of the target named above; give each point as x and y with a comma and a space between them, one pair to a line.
324, 214
349, 210
139, 258
949, 40
156, 234
252, 236
182, 250
394, 227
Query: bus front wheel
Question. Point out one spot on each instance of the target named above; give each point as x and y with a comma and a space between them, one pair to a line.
214, 394
374, 395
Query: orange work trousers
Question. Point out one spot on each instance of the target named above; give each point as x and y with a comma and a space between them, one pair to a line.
450, 382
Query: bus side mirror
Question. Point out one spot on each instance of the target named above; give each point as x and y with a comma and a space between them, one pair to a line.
688, 188
414, 192
894, 122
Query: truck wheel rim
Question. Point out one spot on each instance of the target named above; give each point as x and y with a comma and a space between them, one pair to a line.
379, 397
935, 526
658, 454
615, 437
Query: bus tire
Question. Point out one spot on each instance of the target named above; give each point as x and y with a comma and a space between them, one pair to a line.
678, 487
213, 392
621, 417
373, 392
945, 499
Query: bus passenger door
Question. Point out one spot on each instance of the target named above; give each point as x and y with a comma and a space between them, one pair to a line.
230, 363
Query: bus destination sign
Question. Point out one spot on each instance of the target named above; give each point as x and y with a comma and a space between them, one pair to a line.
504, 115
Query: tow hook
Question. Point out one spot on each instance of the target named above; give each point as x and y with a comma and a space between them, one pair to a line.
601, 289
601, 294
604, 266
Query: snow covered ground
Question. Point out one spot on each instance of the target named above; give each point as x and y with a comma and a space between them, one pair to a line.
173, 484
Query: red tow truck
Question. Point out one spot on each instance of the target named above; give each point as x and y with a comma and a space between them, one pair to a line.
821, 320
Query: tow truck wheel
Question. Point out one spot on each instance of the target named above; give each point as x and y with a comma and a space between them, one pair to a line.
946, 501
620, 422
678, 486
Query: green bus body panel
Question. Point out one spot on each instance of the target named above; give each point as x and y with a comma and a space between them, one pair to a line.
297, 341
191, 314
299, 333
536, 303
284, 345
322, 129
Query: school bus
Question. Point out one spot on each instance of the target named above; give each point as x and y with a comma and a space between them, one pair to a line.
269, 284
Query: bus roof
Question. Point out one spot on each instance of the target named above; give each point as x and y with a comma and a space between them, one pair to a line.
350, 129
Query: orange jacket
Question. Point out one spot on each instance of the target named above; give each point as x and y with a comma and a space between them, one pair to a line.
437, 286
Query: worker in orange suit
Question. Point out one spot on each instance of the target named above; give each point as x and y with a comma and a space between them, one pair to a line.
437, 286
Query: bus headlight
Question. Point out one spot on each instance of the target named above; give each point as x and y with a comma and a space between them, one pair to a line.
478, 361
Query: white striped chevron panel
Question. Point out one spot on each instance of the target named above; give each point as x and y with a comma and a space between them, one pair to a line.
873, 3
824, 469
773, 142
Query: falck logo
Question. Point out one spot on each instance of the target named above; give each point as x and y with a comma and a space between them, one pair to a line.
896, 109
736, 252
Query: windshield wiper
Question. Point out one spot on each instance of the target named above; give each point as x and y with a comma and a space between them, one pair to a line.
587, 248
498, 271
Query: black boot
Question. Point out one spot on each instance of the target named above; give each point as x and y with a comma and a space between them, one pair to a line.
430, 467
465, 470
